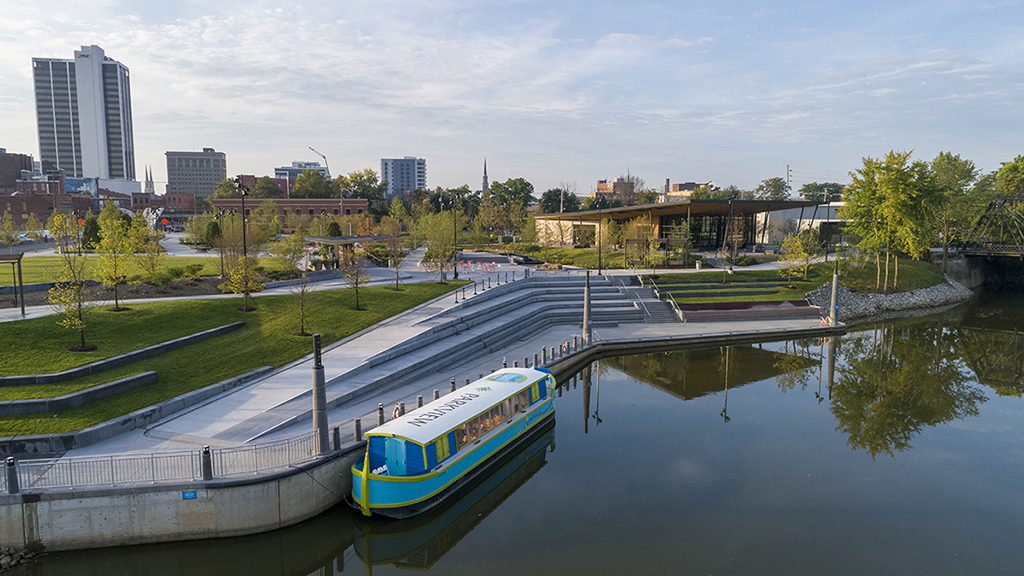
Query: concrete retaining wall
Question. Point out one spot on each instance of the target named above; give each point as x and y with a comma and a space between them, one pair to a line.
43, 445
119, 360
967, 271
37, 287
94, 518
75, 399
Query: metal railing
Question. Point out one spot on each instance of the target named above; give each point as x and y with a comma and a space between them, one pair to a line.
676, 308
122, 469
259, 457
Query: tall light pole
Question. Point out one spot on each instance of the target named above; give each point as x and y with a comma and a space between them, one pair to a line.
325, 161
244, 190
455, 238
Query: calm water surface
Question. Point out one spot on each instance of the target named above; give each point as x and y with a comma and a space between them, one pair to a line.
737, 460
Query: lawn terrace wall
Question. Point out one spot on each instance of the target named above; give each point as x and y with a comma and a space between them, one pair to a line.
119, 360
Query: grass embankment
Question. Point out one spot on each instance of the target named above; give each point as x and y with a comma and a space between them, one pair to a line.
583, 257
45, 268
38, 346
858, 276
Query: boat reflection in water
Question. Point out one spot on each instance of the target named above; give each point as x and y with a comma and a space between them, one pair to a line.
418, 542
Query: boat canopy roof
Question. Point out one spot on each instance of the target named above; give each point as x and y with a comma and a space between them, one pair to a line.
424, 425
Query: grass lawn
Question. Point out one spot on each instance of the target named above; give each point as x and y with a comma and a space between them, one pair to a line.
585, 257
37, 346
858, 276
44, 268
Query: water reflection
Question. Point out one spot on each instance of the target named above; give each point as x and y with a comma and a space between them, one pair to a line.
417, 543
895, 380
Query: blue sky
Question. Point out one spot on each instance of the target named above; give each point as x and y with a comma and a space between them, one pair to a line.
729, 91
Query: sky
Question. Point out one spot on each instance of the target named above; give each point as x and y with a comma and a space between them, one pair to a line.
731, 91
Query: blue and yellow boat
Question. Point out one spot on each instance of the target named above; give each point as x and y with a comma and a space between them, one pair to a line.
414, 462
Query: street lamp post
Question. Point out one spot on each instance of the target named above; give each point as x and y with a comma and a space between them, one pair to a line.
455, 238
244, 190
325, 161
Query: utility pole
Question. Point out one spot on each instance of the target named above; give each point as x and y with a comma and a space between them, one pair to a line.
789, 186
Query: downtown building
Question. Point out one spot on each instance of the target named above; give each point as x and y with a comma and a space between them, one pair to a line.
196, 173
84, 116
403, 174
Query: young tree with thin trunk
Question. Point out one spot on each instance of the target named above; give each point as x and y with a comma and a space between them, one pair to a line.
68, 297
394, 243
116, 249
355, 276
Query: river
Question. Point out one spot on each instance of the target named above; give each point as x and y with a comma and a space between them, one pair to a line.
904, 458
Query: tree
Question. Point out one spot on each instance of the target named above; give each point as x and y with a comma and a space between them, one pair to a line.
514, 191
303, 295
647, 196
245, 280
226, 189
33, 228
438, 230
266, 219
890, 205
266, 187
90, 232
8, 230
289, 251
355, 277
600, 202
631, 191
312, 184
392, 227
1010, 177
363, 184
68, 295
557, 200
772, 189
824, 192
700, 193
116, 250
793, 258
528, 233
957, 210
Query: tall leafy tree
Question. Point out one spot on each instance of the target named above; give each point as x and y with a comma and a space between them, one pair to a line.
1011, 177
772, 189
957, 210
226, 189
362, 184
558, 200
265, 187
511, 192
312, 184
890, 205
823, 192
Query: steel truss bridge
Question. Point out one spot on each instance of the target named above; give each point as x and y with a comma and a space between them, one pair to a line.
1000, 229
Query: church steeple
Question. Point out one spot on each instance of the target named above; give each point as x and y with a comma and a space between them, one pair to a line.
484, 189
150, 188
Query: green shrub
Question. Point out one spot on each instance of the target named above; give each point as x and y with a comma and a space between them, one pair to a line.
175, 272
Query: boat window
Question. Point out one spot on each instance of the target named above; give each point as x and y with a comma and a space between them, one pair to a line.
507, 377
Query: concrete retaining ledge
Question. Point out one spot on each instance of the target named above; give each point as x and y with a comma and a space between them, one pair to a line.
76, 399
37, 287
571, 363
46, 445
119, 360
145, 513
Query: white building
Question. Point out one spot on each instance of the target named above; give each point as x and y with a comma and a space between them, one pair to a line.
295, 170
403, 174
84, 115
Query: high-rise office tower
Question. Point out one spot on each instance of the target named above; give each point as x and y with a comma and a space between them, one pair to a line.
403, 174
196, 173
84, 115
